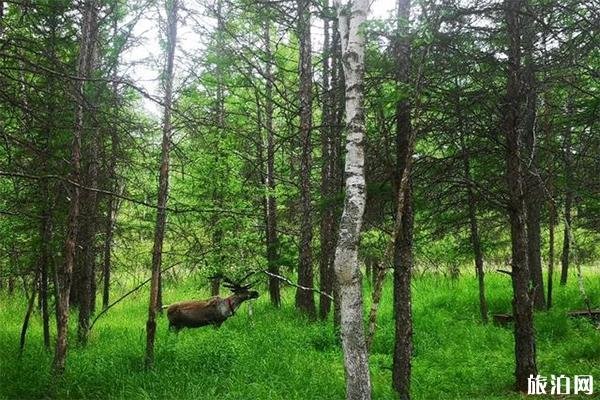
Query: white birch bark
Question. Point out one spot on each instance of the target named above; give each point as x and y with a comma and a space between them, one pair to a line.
356, 362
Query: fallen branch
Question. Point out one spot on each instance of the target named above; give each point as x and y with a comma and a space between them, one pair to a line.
289, 282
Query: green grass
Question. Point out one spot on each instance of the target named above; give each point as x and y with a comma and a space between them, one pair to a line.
275, 354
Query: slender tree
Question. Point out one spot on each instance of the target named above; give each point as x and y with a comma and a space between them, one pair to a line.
327, 237
270, 204
568, 172
533, 189
305, 300
163, 179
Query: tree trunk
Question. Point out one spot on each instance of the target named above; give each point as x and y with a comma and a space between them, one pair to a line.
379, 273
87, 236
336, 160
522, 302
475, 240
113, 202
270, 200
403, 227
349, 279
30, 306
45, 256
533, 190
64, 274
472, 212
305, 300
551, 225
403, 264
218, 192
568, 160
326, 234
45, 261
163, 181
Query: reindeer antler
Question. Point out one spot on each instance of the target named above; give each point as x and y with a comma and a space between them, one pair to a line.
236, 286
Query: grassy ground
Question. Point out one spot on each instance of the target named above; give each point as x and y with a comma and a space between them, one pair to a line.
274, 354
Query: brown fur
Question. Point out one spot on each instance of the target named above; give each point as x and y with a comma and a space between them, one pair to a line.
197, 313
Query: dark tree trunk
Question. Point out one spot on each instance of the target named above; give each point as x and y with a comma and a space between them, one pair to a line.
475, 240
472, 212
403, 227
551, 225
533, 189
568, 160
30, 306
328, 164
45, 256
525, 353
215, 286
336, 159
305, 300
379, 273
163, 183
218, 190
403, 263
45, 262
270, 206
91, 145
64, 274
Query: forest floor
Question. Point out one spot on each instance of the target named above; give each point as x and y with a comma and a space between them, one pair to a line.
275, 354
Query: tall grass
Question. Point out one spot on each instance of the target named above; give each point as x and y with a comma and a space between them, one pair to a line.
276, 354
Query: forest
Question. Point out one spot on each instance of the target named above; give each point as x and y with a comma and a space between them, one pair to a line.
299, 199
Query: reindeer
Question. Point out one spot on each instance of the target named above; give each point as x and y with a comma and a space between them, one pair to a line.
214, 311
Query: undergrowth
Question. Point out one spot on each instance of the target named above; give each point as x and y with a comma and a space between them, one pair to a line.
277, 354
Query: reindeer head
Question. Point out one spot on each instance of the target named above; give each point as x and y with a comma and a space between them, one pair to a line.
242, 291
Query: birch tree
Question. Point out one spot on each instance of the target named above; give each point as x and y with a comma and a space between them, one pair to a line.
358, 382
